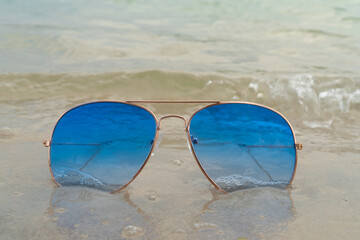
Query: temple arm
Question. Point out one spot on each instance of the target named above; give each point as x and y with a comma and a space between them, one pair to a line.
297, 146
249, 147
256, 161
100, 145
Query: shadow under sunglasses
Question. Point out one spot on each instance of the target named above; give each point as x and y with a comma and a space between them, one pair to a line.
247, 214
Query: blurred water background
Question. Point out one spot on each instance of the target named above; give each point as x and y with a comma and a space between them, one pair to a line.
299, 57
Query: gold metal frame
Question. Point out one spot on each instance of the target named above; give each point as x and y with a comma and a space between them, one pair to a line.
298, 146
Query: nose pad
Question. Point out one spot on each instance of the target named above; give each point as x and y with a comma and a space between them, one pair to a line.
158, 141
194, 140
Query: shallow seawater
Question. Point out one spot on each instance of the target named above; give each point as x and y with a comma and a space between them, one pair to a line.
300, 58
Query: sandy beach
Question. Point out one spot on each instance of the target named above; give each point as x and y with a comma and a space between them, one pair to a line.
299, 59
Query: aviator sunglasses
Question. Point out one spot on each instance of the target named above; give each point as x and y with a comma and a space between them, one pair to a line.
237, 145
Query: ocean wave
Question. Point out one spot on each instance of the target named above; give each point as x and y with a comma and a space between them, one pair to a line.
315, 100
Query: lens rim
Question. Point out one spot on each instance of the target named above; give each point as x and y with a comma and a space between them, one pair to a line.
246, 103
123, 102
47, 143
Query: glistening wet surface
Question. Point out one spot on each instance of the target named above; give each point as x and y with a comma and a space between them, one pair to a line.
171, 199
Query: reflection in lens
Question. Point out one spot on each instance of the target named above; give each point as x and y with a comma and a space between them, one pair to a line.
101, 145
243, 146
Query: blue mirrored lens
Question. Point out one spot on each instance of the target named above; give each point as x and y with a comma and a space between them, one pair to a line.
101, 145
243, 146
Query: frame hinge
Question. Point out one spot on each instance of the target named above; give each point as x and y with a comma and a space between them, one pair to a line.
298, 146
46, 143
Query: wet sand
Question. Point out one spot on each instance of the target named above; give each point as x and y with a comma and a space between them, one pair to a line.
171, 199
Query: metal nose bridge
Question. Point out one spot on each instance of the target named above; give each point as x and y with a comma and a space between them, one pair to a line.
173, 116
